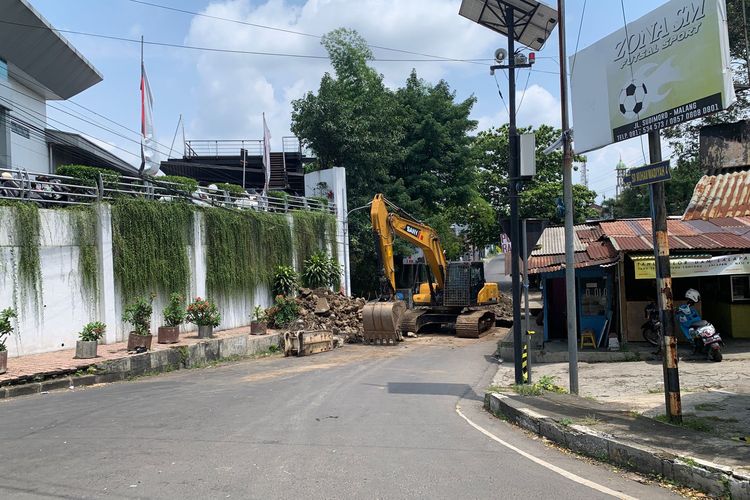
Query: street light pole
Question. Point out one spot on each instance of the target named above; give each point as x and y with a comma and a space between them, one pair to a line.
570, 271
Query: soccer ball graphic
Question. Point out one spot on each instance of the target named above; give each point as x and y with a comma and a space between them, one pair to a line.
633, 99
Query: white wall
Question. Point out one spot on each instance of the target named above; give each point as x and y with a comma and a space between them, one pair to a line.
65, 306
29, 109
335, 180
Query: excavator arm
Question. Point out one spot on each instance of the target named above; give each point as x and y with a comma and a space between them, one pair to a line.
386, 226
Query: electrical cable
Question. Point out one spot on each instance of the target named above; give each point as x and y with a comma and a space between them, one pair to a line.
500, 93
220, 50
523, 95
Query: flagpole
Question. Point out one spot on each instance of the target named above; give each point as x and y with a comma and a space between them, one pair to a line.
143, 155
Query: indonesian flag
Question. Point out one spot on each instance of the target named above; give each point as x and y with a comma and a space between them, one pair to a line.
266, 152
149, 154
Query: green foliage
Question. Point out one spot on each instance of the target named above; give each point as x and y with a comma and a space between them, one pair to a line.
321, 271
92, 332
138, 314
203, 312
89, 176
244, 249
174, 313
150, 245
259, 314
279, 195
285, 281
539, 197
234, 189
283, 312
187, 184
6, 327
452, 244
26, 231
313, 232
323, 200
546, 383
84, 223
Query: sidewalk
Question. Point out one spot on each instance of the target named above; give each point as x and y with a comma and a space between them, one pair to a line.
36, 368
619, 417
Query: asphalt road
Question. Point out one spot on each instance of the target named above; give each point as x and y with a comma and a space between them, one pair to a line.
360, 422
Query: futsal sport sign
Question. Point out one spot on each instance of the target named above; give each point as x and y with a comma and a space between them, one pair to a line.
668, 67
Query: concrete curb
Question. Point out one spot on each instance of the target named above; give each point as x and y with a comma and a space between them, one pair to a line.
540, 356
714, 479
174, 358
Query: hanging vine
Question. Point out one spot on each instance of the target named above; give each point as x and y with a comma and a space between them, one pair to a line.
84, 222
313, 231
26, 235
243, 249
150, 246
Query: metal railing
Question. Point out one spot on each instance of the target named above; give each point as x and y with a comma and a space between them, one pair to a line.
218, 148
47, 190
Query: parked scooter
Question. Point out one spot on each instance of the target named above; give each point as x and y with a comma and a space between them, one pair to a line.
702, 334
651, 329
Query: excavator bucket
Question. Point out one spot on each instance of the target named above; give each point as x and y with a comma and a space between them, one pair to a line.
381, 321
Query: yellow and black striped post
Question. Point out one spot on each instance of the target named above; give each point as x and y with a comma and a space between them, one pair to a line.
525, 363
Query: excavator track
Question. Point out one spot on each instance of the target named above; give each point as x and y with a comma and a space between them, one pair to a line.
474, 324
410, 320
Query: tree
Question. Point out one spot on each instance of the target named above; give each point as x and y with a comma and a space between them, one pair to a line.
538, 197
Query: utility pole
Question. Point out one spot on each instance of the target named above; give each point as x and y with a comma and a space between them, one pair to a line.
570, 270
664, 287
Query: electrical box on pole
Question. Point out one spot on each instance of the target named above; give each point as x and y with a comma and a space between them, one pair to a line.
527, 147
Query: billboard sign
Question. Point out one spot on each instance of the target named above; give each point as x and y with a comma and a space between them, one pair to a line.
668, 67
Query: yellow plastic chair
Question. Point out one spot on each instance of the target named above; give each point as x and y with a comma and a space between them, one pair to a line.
588, 338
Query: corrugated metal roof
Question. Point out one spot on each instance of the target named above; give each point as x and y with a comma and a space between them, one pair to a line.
617, 228
631, 243
590, 234
552, 263
724, 195
699, 241
729, 240
552, 242
702, 226
601, 250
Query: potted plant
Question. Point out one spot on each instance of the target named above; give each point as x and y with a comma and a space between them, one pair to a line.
205, 314
174, 316
259, 324
138, 314
89, 338
6, 328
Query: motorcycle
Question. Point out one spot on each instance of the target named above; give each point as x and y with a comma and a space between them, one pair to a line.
699, 332
651, 329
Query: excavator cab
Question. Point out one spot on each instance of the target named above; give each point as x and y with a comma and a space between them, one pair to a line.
465, 286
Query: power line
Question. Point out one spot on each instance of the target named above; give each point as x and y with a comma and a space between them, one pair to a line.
225, 51
578, 38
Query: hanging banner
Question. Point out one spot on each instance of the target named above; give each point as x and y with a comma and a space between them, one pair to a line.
668, 67
684, 267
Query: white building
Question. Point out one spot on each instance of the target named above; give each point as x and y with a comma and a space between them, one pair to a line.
37, 65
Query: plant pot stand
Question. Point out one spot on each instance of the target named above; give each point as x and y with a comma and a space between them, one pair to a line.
86, 349
168, 334
143, 341
205, 331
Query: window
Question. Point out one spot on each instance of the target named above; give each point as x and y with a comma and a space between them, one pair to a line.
3, 70
19, 129
740, 287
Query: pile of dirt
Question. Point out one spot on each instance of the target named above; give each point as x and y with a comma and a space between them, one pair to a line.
323, 309
504, 309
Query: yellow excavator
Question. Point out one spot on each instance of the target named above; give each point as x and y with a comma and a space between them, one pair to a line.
456, 296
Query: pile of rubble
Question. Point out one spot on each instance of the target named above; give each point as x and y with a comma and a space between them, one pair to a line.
323, 309
504, 309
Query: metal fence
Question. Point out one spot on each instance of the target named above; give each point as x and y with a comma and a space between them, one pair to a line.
47, 190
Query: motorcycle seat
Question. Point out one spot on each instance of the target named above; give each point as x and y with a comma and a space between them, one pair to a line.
699, 324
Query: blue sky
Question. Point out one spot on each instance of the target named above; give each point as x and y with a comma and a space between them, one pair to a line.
222, 96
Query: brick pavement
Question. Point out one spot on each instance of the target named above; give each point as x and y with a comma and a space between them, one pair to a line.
23, 368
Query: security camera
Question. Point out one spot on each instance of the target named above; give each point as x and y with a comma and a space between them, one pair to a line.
500, 55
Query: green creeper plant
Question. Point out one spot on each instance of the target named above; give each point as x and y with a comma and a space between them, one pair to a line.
6, 327
27, 223
313, 231
92, 332
83, 219
150, 245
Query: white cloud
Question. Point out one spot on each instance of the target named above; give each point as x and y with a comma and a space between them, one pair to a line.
232, 90
535, 105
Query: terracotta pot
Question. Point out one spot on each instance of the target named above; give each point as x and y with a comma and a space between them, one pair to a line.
86, 349
258, 327
205, 331
135, 340
168, 334
3, 361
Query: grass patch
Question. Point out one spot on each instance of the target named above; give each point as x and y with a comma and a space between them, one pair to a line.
495, 388
546, 383
590, 420
566, 422
689, 421
655, 390
710, 407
